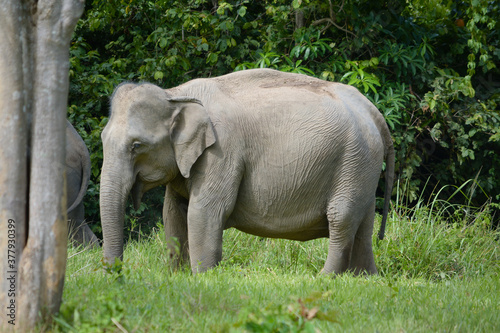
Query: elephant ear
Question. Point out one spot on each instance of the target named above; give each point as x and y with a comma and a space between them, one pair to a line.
191, 133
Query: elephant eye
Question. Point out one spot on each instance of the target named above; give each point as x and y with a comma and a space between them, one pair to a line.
136, 145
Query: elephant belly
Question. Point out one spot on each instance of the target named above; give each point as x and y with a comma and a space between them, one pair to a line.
299, 227
281, 209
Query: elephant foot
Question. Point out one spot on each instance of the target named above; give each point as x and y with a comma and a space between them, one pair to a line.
82, 236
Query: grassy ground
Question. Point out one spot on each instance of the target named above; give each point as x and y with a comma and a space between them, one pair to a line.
435, 275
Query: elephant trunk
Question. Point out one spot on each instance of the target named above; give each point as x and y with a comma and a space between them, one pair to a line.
113, 197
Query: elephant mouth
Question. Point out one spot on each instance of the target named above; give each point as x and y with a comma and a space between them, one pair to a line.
137, 192
140, 187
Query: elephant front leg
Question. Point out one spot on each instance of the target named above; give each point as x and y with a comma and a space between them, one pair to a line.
213, 195
175, 224
205, 238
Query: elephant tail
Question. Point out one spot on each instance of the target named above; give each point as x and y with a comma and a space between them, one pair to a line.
389, 180
85, 179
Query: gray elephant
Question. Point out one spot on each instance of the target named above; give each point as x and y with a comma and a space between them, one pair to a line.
269, 153
77, 180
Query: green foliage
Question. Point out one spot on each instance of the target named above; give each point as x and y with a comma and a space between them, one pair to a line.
109, 313
439, 240
295, 317
358, 76
430, 69
109, 309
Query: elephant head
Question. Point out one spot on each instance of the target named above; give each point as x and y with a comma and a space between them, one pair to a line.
151, 138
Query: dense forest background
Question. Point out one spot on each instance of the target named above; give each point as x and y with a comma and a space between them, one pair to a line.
431, 67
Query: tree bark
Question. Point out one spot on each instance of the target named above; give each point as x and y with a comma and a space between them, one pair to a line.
299, 19
34, 61
14, 133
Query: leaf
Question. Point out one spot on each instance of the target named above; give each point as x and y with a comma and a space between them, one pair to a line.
494, 138
372, 87
158, 75
212, 58
242, 11
311, 313
353, 80
163, 42
330, 316
306, 54
432, 104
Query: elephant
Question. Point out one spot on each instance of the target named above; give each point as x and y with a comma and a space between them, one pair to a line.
77, 165
273, 154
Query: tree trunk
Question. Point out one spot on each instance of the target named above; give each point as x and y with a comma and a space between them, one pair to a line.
299, 19
14, 96
34, 62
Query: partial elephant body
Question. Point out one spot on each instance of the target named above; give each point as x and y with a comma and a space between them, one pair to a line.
77, 179
269, 153
310, 150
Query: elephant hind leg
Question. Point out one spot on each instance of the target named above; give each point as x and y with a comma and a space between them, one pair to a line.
343, 224
175, 224
350, 219
362, 259
81, 234
78, 231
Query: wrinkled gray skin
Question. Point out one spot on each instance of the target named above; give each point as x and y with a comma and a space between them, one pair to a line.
269, 153
77, 180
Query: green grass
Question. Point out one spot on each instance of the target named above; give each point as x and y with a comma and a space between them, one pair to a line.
437, 273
